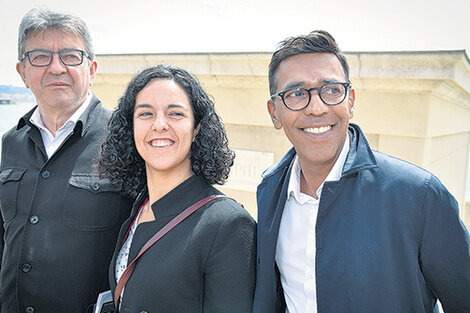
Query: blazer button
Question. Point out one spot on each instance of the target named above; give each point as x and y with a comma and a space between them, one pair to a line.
144, 312
46, 174
34, 219
29, 309
96, 186
26, 268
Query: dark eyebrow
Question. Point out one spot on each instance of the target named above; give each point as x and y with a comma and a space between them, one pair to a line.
294, 85
170, 106
302, 83
142, 105
177, 105
330, 81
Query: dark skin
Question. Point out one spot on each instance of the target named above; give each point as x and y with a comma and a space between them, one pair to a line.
317, 132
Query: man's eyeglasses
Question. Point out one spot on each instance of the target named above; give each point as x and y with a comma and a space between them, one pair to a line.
297, 99
69, 57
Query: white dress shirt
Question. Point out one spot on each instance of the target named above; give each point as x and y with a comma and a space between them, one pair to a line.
296, 243
51, 142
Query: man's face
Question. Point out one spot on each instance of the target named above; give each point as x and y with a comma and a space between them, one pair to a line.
57, 86
317, 132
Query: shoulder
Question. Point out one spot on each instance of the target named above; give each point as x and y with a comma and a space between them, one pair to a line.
14, 135
227, 210
272, 176
396, 168
11, 134
405, 175
279, 166
224, 213
225, 223
101, 111
95, 120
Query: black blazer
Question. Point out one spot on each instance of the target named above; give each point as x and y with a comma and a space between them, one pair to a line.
205, 264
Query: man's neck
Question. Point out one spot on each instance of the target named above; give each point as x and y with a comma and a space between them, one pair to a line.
313, 175
312, 178
54, 118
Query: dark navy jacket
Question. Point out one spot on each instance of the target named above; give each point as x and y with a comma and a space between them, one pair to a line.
388, 238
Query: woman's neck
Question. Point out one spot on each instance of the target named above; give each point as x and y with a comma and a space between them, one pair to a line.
159, 184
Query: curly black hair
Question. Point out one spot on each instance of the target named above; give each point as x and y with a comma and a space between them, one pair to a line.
210, 155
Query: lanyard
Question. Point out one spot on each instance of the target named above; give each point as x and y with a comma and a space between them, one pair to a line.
175, 221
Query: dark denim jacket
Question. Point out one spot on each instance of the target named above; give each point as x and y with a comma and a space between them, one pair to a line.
388, 238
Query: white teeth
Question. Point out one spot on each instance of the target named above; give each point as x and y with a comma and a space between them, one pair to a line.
161, 143
317, 130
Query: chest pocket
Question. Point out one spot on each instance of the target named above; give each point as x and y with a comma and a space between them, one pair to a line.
91, 203
10, 179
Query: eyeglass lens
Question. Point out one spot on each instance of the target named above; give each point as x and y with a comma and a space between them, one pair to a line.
299, 98
68, 57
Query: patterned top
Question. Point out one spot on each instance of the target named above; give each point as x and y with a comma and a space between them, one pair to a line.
123, 256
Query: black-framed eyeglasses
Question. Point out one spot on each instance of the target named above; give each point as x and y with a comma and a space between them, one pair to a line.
297, 99
68, 57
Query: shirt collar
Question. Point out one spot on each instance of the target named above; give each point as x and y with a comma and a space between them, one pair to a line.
334, 175
36, 118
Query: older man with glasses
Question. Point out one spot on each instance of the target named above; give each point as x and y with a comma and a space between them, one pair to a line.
341, 227
59, 219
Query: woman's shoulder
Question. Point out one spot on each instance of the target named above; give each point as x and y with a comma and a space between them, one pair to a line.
226, 209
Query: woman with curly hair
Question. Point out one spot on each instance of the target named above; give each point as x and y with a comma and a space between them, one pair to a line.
167, 147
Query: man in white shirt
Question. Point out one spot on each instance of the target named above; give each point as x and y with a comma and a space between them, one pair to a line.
59, 219
343, 228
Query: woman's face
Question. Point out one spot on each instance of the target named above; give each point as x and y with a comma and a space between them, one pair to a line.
164, 128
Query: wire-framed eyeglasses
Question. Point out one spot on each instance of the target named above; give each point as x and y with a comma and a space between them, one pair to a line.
68, 57
297, 99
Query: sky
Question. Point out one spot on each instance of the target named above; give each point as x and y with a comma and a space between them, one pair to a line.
161, 26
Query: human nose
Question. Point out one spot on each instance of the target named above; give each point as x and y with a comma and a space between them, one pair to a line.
316, 105
56, 66
160, 123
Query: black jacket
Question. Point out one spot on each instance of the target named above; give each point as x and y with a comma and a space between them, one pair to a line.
59, 220
205, 264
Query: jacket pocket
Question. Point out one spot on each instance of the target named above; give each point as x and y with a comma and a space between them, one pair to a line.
91, 203
10, 179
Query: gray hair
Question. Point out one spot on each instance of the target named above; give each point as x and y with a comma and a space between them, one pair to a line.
41, 19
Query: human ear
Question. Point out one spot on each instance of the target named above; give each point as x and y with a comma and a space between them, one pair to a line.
274, 114
195, 131
351, 102
21, 71
93, 67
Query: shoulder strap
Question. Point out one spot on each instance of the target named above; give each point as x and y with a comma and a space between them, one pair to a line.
175, 221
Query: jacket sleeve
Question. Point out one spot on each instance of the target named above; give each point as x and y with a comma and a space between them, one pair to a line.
230, 268
2, 229
445, 249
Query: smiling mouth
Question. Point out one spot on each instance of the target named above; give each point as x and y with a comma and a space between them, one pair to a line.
317, 130
161, 143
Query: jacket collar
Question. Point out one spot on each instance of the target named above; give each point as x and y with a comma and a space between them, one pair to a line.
181, 197
84, 123
360, 156
175, 201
